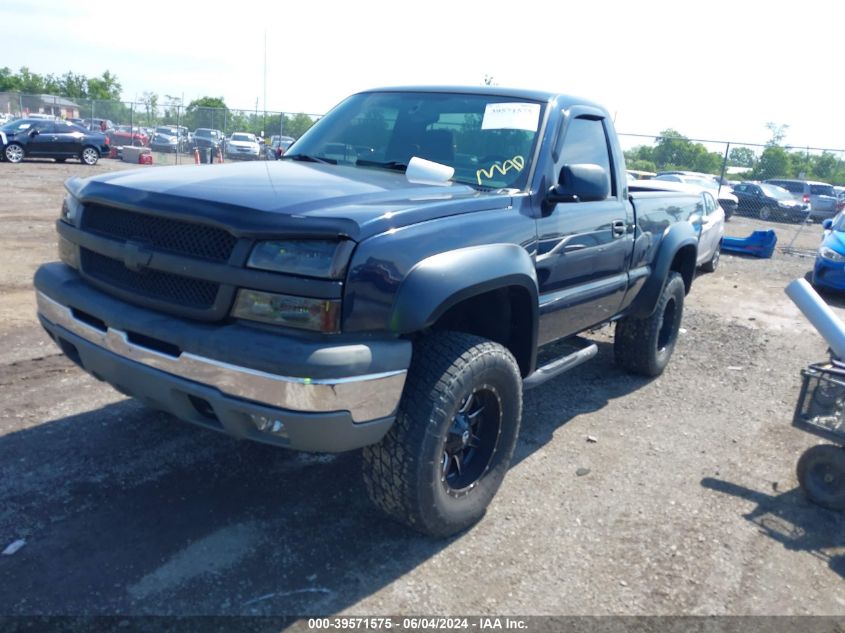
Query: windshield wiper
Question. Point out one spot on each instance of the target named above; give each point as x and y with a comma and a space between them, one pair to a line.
309, 159
391, 164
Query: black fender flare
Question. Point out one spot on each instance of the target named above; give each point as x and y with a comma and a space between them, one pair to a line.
678, 238
441, 281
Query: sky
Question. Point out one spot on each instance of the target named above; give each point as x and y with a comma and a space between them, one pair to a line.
717, 70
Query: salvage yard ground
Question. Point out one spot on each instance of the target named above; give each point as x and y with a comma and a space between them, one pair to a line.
685, 503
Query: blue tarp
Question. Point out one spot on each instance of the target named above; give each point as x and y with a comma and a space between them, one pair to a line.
759, 244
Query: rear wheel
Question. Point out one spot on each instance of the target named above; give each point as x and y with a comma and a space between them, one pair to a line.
644, 346
89, 156
13, 153
710, 266
821, 473
443, 460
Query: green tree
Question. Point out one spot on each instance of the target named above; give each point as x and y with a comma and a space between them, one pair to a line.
640, 153
774, 163
297, 125
105, 87
73, 86
30, 83
826, 166
206, 112
675, 151
778, 131
741, 157
641, 165
9, 81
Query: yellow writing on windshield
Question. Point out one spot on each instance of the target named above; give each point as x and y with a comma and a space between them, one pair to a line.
517, 163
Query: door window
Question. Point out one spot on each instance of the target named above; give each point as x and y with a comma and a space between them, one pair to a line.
586, 142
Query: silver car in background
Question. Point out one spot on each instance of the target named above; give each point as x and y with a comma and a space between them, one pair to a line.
821, 196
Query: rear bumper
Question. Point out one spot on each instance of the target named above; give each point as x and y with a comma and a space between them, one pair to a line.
347, 400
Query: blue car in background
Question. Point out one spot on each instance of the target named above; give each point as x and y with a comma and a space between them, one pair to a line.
829, 270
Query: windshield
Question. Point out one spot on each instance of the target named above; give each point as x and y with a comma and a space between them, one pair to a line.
242, 137
203, 133
489, 140
778, 193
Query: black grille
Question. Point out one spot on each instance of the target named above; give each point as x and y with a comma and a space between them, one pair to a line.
153, 284
175, 236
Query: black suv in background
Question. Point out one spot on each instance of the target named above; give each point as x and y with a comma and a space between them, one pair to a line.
769, 202
205, 138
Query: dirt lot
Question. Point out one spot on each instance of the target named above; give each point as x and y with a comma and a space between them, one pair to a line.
690, 505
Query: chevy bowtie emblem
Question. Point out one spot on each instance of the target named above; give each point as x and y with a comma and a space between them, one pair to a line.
136, 257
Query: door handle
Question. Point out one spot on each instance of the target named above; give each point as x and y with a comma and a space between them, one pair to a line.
618, 228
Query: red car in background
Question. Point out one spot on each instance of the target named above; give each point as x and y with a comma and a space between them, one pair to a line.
128, 135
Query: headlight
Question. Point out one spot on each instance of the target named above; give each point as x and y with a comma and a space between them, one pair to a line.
832, 255
71, 209
326, 259
319, 315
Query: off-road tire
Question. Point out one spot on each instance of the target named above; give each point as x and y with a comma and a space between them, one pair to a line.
404, 473
644, 346
821, 473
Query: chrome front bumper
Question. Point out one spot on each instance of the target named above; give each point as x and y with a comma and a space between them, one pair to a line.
366, 397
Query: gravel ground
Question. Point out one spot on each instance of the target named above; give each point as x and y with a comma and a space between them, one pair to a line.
686, 503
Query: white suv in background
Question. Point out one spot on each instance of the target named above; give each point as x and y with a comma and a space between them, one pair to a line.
243, 145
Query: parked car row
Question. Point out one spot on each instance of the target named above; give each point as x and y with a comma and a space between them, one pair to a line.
775, 199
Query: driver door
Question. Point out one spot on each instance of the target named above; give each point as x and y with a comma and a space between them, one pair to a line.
584, 248
42, 139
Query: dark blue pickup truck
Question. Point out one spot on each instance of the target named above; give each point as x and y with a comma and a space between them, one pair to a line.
389, 284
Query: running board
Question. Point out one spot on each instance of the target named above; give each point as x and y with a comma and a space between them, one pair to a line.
558, 366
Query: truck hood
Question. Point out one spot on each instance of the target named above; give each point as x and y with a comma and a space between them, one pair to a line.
295, 198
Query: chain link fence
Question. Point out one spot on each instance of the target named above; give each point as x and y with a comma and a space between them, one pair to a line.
146, 123
741, 165
135, 123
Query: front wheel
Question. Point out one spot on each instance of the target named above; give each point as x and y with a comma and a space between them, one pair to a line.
89, 156
14, 153
644, 346
765, 213
821, 474
443, 460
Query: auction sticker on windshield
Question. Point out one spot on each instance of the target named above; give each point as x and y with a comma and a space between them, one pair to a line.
511, 116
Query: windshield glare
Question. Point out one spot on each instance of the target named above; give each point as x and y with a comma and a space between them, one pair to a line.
488, 139
778, 193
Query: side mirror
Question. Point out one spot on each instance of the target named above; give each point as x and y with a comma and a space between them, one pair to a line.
34, 132
827, 224
584, 182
